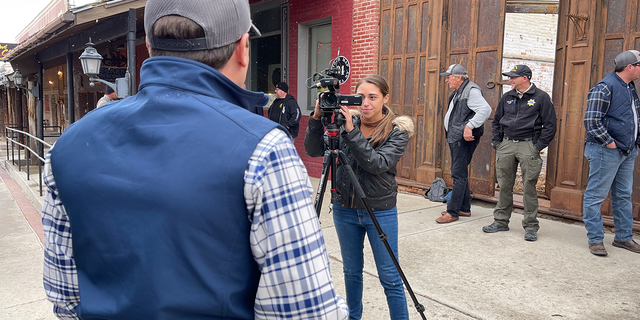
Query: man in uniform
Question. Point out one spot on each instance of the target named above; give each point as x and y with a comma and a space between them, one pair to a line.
523, 125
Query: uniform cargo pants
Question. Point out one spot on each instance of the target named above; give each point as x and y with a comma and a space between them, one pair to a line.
508, 154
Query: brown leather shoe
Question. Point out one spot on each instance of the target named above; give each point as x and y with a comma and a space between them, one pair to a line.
446, 219
597, 248
462, 213
630, 245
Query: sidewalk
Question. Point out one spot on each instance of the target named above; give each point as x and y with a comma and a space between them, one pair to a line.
455, 270
21, 293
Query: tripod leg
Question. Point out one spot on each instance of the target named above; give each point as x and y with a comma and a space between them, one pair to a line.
328, 157
362, 196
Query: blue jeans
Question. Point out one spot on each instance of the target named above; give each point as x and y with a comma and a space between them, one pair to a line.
351, 226
609, 169
461, 154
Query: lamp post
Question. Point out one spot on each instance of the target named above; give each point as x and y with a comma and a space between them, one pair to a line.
91, 61
18, 78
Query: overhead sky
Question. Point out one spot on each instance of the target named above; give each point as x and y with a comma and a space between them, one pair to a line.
17, 14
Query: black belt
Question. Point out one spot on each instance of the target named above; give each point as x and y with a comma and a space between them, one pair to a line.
518, 140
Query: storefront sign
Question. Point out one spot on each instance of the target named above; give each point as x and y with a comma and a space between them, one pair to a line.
5, 48
111, 74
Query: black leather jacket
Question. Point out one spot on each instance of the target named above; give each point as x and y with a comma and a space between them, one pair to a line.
375, 168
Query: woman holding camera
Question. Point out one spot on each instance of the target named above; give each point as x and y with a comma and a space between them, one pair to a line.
373, 141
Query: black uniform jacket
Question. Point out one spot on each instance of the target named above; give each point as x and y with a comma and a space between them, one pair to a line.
532, 116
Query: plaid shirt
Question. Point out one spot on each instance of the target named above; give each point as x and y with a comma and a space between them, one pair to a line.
598, 101
296, 287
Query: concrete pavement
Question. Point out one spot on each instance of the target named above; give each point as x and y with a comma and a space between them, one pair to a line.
456, 270
21, 293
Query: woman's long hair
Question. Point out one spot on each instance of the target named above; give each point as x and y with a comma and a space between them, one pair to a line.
386, 125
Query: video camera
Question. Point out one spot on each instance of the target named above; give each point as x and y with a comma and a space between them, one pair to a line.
331, 100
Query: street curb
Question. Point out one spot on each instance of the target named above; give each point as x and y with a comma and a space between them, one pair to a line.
30, 212
27, 190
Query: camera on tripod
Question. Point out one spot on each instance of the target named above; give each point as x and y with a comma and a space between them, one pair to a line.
331, 100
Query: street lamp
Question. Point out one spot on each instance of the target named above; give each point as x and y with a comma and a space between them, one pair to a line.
91, 61
18, 78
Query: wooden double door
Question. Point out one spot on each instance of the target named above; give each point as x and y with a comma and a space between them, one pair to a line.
420, 38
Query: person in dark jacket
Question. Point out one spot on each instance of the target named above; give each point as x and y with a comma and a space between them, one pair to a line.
373, 140
611, 146
285, 110
464, 124
523, 125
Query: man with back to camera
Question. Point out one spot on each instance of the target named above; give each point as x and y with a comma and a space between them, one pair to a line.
523, 125
109, 95
464, 125
285, 110
163, 205
611, 146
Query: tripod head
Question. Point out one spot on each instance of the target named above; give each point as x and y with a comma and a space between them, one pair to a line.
333, 127
332, 118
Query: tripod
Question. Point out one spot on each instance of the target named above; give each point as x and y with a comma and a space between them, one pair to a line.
332, 156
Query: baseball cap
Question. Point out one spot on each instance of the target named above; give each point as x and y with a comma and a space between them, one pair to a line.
454, 69
283, 86
626, 58
224, 22
519, 70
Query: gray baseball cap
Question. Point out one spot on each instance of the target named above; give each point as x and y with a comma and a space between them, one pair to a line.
626, 58
224, 22
454, 69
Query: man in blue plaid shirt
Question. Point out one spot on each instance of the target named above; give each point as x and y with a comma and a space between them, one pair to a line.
611, 146
179, 203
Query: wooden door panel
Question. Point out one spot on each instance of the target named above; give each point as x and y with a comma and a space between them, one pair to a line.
460, 29
590, 35
475, 42
408, 61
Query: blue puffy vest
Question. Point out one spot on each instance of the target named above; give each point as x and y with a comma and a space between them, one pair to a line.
619, 117
153, 187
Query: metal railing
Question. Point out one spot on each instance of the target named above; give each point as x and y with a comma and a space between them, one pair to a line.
3, 133
57, 134
16, 138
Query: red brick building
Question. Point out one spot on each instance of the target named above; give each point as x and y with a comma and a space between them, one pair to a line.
301, 37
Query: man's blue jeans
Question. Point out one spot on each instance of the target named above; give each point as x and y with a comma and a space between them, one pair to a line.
351, 226
609, 169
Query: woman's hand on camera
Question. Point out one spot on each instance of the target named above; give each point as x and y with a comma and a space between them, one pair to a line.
316, 111
348, 120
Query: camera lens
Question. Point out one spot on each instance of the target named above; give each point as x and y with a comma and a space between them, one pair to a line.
329, 100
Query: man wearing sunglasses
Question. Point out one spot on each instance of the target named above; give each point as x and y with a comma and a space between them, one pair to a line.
611, 122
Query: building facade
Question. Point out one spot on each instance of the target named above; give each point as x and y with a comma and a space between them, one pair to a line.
407, 41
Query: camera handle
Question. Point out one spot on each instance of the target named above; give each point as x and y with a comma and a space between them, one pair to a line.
332, 156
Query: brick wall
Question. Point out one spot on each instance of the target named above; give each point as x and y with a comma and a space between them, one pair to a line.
366, 30
531, 39
354, 29
530, 36
301, 11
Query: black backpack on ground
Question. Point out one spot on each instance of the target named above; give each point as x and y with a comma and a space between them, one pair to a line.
438, 191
